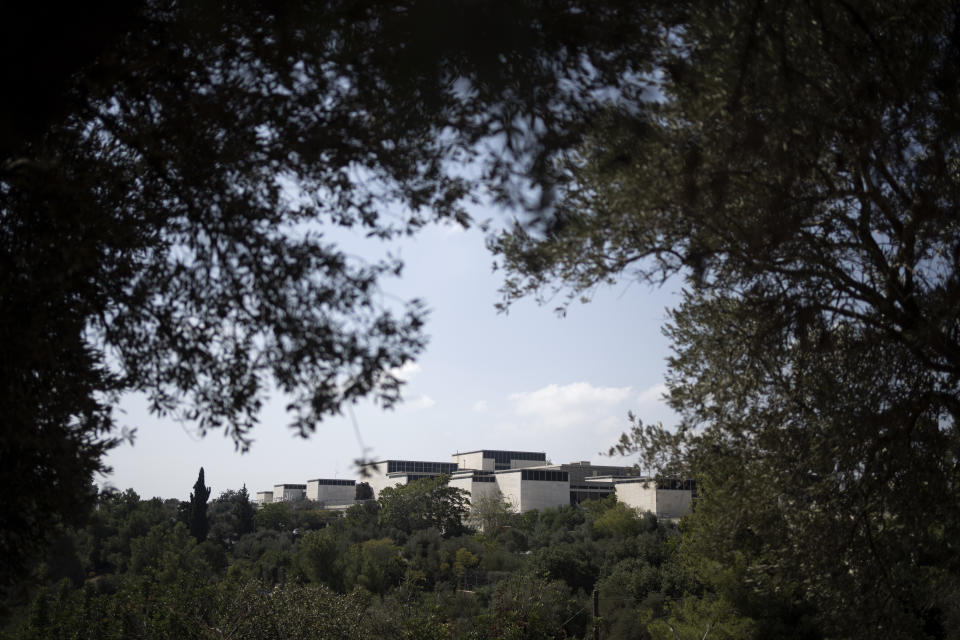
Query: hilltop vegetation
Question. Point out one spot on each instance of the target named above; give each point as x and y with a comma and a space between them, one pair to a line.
135, 571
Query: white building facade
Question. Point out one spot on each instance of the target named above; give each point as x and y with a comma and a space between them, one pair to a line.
390, 473
524, 479
331, 490
534, 488
289, 492
668, 499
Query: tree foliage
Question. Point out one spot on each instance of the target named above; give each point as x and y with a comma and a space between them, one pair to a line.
347, 579
798, 165
199, 524
363, 491
490, 513
170, 177
422, 504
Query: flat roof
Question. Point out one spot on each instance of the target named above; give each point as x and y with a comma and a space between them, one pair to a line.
616, 479
291, 486
463, 453
400, 474
367, 464
315, 479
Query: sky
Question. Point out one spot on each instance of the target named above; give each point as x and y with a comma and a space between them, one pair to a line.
527, 380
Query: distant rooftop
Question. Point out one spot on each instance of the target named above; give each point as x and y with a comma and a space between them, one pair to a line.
515, 455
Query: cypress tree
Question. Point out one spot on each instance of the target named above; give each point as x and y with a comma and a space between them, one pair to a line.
199, 526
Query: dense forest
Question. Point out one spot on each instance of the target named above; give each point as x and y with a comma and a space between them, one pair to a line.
415, 563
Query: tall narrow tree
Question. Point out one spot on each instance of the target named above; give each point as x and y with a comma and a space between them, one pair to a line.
243, 511
199, 526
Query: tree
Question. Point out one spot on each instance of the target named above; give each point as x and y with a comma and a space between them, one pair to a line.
797, 165
363, 492
422, 504
276, 516
165, 192
375, 565
290, 611
199, 525
620, 520
530, 607
490, 513
320, 557
230, 517
699, 618
243, 511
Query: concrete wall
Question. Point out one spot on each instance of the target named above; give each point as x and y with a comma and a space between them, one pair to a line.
638, 495
673, 503
286, 492
520, 464
473, 460
264, 497
580, 472
377, 478
485, 490
475, 489
509, 485
333, 494
465, 483
526, 495
543, 494
664, 503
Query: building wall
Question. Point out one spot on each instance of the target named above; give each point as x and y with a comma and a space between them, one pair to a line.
521, 464
673, 503
334, 494
484, 490
380, 478
664, 503
377, 478
509, 485
526, 495
475, 489
638, 495
465, 483
543, 494
264, 497
473, 460
581, 471
286, 492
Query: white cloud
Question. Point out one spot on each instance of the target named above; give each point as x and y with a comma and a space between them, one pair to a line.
652, 406
561, 406
480, 406
423, 401
653, 395
405, 372
611, 427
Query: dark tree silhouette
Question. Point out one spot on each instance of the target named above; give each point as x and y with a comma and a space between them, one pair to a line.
800, 168
243, 511
168, 171
199, 525
363, 491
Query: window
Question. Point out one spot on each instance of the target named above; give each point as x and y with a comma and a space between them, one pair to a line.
544, 475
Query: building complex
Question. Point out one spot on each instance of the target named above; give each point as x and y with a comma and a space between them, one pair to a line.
526, 480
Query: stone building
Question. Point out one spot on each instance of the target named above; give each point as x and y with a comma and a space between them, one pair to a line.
331, 490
